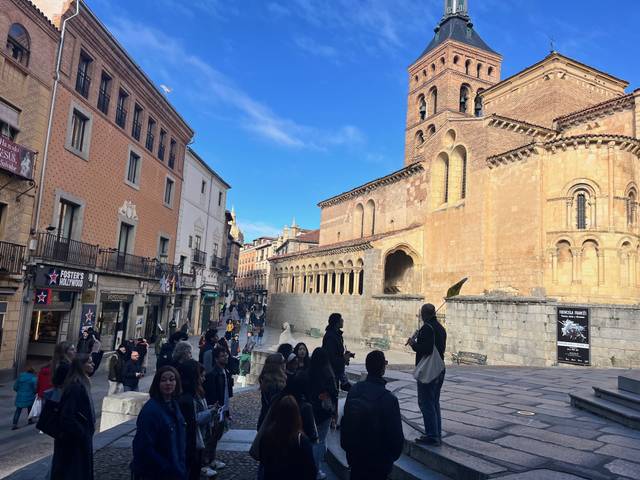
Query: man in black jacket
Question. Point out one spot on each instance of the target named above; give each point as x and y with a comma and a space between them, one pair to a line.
218, 388
371, 428
132, 373
431, 335
333, 343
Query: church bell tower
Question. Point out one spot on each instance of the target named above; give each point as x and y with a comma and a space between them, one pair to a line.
448, 78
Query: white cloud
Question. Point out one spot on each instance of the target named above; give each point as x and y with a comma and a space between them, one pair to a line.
252, 230
207, 86
309, 45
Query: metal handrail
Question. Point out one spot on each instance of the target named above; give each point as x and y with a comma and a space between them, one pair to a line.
11, 257
60, 249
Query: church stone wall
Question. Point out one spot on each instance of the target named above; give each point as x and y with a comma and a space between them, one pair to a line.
523, 331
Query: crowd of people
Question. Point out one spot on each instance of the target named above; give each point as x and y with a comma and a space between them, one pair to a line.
188, 411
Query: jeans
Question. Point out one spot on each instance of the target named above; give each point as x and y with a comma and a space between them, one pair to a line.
16, 416
130, 389
320, 448
429, 403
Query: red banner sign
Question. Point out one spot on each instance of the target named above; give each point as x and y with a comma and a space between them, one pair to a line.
16, 159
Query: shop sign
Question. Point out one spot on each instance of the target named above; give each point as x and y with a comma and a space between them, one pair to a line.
116, 297
43, 296
16, 159
88, 316
62, 278
573, 336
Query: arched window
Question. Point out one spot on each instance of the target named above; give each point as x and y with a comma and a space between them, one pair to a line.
358, 221
419, 138
361, 282
431, 130
581, 207
18, 44
490, 71
478, 70
581, 211
433, 68
351, 281
440, 180
631, 207
465, 92
446, 181
457, 175
478, 107
369, 218
398, 273
433, 99
456, 60
467, 67
442, 60
422, 107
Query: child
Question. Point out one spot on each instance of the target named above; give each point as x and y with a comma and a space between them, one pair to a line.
25, 387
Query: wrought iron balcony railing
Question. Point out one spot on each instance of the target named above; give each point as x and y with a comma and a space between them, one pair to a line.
59, 249
11, 258
199, 257
83, 83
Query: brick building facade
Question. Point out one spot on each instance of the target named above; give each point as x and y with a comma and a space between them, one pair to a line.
528, 186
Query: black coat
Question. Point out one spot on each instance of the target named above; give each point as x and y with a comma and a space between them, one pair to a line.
323, 384
295, 462
431, 331
59, 376
384, 437
214, 386
333, 343
85, 345
73, 450
129, 377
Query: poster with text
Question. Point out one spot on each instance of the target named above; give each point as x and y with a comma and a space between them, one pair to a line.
573, 336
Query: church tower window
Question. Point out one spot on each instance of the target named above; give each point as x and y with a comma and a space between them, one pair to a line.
467, 67
479, 70
581, 211
422, 107
478, 106
433, 98
464, 98
631, 207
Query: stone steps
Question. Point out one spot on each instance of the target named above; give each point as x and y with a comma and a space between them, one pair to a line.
630, 382
406, 468
622, 397
629, 417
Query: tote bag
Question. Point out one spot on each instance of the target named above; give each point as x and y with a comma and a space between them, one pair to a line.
429, 368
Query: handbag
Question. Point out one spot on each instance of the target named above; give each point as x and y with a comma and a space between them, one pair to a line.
429, 368
36, 408
49, 421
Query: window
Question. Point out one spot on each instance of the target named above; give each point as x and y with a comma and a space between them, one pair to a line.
433, 99
422, 107
67, 219
78, 130
168, 192
198, 242
104, 94
9, 121
83, 80
490, 71
581, 211
125, 239
219, 198
479, 69
3, 217
133, 169
137, 122
419, 138
151, 126
631, 208
203, 187
478, 106
464, 98
467, 67
163, 136
121, 111
190, 241
18, 44
163, 248
172, 153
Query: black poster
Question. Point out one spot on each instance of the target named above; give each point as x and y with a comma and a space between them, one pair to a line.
573, 336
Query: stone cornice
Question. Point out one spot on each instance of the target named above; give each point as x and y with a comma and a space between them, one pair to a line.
324, 251
600, 110
394, 177
517, 154
520, 126
628, 144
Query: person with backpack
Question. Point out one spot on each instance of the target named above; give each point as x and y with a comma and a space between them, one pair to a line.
117, 361
430, 340
25, 387
166, 351
371, 426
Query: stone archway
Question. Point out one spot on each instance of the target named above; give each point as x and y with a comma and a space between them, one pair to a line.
399, 269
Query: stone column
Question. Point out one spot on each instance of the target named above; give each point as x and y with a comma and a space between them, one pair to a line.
601, 277
633, 267
554, 266
576, 262
569, 213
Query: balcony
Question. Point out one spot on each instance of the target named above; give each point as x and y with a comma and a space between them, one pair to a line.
137, 128
59, 249
219, 263
83, 83
11, 257
118, 262
199, 257
121, 116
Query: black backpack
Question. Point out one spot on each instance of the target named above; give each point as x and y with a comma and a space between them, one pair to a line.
49, 421
360, 426
166, 355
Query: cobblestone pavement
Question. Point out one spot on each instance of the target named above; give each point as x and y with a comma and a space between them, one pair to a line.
245, 409
240, 466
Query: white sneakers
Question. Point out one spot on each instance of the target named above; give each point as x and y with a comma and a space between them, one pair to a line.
218, 465
321, 475
208, 472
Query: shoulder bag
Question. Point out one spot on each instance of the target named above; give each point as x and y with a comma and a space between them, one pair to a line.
429, 368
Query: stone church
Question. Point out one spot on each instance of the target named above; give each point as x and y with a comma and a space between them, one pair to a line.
527, 185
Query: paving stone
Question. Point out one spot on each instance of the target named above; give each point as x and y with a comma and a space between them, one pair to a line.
620, 430
575, 431
622, 441
455, 407
473, 420
471, 403
411, 415
410, 406
557, 452
513, 418
545, 435
624, 468
554, 412
618, 451
495, 451
472, 431
541, 475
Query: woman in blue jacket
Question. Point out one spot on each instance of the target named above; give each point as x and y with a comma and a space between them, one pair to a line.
25, 388
159, 445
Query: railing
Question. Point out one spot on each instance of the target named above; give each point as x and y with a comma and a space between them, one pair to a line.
161, 152
103, 101
121, 116
11, 257
199, 257
60, 249
150, 140
219, 263
115, 261
83, 82
172, 159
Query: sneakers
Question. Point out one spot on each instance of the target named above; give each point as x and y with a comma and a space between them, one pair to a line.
208, 472
218, 465
424, 440
321, 475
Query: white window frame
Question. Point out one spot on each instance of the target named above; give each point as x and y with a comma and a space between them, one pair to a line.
169, 204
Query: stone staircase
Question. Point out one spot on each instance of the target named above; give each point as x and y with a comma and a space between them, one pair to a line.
622, 405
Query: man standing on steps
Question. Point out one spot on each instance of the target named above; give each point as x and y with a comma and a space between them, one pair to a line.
431, 335
371, 428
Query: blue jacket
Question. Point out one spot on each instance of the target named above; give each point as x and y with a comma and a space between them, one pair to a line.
25, 386
160, 442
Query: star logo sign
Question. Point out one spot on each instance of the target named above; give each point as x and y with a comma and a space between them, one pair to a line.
88, 317
53, 277
42, 297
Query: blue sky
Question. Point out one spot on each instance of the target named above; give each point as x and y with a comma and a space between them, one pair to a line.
294, 101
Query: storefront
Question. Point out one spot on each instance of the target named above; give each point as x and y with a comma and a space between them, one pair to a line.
209, 309
56, 300
114, 318
155, 306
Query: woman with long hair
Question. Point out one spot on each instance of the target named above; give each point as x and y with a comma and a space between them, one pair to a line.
285, 451
63, 355
302, 354
272, 381
323, 396
197, 416
73, 448
159, 445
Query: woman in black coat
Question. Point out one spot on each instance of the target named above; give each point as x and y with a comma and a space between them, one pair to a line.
73, 448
